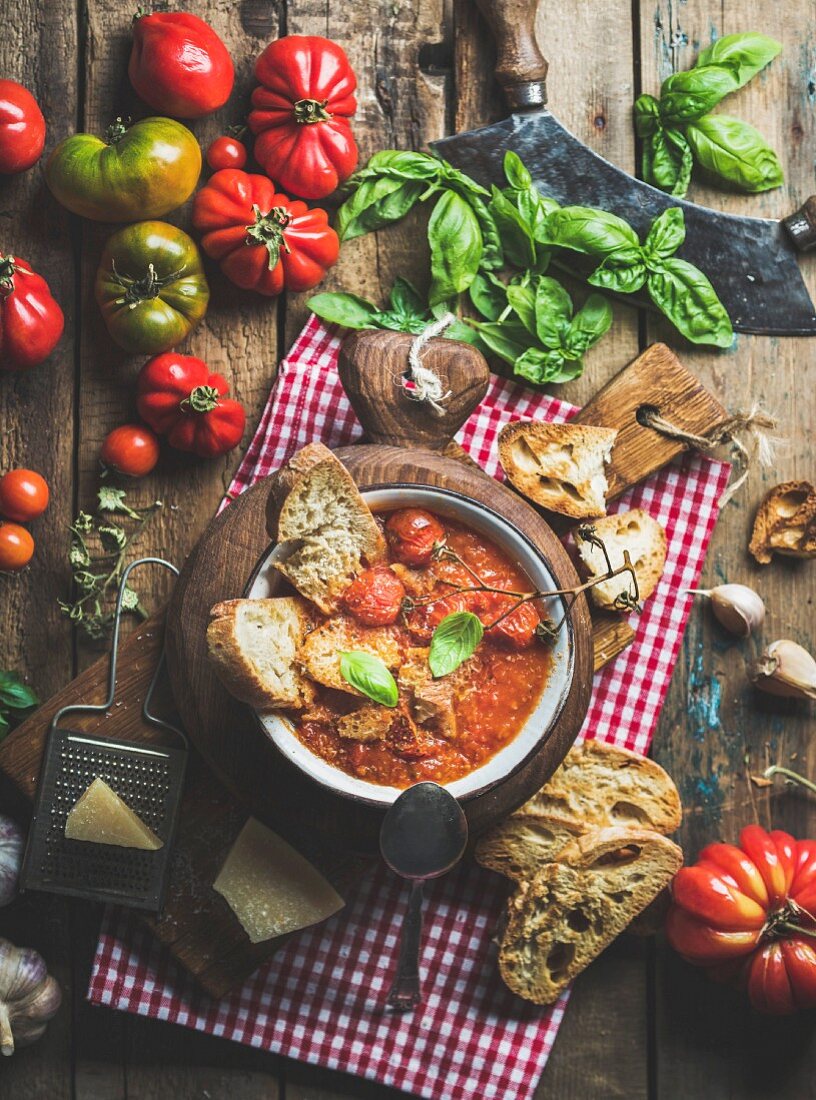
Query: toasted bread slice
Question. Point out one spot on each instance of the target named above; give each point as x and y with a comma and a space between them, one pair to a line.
559, 466
562, 919
252, 646
319, 655
370, 723
431, 702
282, 482
785, 523
519, 846
327, 533
602, 785
643, 537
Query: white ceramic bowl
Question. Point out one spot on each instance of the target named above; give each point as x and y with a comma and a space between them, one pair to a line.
266, 581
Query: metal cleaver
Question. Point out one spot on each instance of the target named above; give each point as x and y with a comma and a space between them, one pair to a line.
751, 262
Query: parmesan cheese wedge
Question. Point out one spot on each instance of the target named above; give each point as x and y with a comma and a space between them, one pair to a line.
270, 887
101, 817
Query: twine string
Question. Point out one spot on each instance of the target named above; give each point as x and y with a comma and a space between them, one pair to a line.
756, 424
420, 383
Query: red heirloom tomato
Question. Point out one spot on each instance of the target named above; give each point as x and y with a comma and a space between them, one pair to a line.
22, 128
746, 914
23, 495
181, 398
16, 547
301, 113
265, 241
412, 534
375, 597
179, 65
131, 449
31, 322
225, 152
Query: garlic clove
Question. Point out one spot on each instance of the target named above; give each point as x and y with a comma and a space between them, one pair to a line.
735, 606
786, 669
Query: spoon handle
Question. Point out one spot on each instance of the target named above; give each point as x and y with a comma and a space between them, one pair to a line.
405, 992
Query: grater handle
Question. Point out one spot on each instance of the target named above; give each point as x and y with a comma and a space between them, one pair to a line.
100, 708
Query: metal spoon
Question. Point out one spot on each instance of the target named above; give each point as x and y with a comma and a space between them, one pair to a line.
423, 835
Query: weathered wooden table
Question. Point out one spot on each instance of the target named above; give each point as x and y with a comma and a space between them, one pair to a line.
641, 1023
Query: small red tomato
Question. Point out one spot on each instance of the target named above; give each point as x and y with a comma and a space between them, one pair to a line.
22, 128
31, 321
516, 630
426, 617
226, 152
16, 547
375, 597
131, 449
23, 495
412, 534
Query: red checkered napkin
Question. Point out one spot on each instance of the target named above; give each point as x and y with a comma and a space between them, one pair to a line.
321, 999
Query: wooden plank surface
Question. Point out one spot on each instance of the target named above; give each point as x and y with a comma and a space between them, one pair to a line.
701, 1041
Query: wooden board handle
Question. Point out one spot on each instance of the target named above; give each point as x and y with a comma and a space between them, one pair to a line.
372, 367
802, 225
521, 67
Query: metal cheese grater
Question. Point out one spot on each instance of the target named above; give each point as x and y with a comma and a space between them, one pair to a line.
148, 777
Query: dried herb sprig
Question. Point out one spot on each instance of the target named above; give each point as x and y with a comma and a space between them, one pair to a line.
100, 542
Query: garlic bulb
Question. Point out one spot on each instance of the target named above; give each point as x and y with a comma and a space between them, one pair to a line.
736, 607
29, 996
785, 668
11, 856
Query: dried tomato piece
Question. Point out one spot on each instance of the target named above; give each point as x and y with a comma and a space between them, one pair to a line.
408, 740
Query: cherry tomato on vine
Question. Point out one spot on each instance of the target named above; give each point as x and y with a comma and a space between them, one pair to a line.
412, 534
22, 128
225, 152
16, 547
23, 495
131, 449
516, 630
375, 597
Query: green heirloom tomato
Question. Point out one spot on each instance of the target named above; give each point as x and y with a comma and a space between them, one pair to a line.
139, 172
151, 287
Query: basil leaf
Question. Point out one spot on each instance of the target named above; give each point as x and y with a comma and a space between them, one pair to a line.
370, 676
458, 181
458, 330
453, 641
523, 302
376, 203
488, 295
344, 309
542, 367
507, 340
584, 229
647, 116
492, 247
515, 171
743, 54
456, 247
17, 695
690, 302
667, 233
667, 161
735, 153
405, 298
516, 235
588, 325
619, 278
405, 163
553, 310
689, 95
4, 726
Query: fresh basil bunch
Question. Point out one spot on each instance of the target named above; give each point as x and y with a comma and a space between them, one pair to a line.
678, 131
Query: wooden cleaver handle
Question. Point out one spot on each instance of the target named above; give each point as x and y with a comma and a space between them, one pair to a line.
521, 67
802, 225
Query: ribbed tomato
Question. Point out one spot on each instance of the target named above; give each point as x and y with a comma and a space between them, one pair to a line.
31, 322
301, 114
264, 241
747, 914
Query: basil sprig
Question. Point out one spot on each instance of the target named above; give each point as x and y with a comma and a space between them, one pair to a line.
678, 130
15, 698
453, 641
370, 676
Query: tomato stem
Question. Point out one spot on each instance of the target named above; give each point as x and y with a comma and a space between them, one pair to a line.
792, 776
202, 399
269, 230
308, 111
139, 290
7, 270
116, 131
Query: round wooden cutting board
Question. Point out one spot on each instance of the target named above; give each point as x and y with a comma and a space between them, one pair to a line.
227, 732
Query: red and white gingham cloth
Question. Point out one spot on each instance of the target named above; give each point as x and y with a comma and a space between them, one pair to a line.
321, 998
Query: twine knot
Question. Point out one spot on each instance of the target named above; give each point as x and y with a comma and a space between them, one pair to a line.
420, 383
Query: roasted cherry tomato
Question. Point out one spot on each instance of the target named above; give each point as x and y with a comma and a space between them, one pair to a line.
426, 617
746, 914
179, 64
412, 534
23, 495
131, 449
225, 152
516, 630
136, 172
181, 398
301, 115
16, 547
31, 321
375, 597
22, 128
264, 241
151, 287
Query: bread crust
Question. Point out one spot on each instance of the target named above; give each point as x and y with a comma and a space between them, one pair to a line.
649, 565
785, 523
